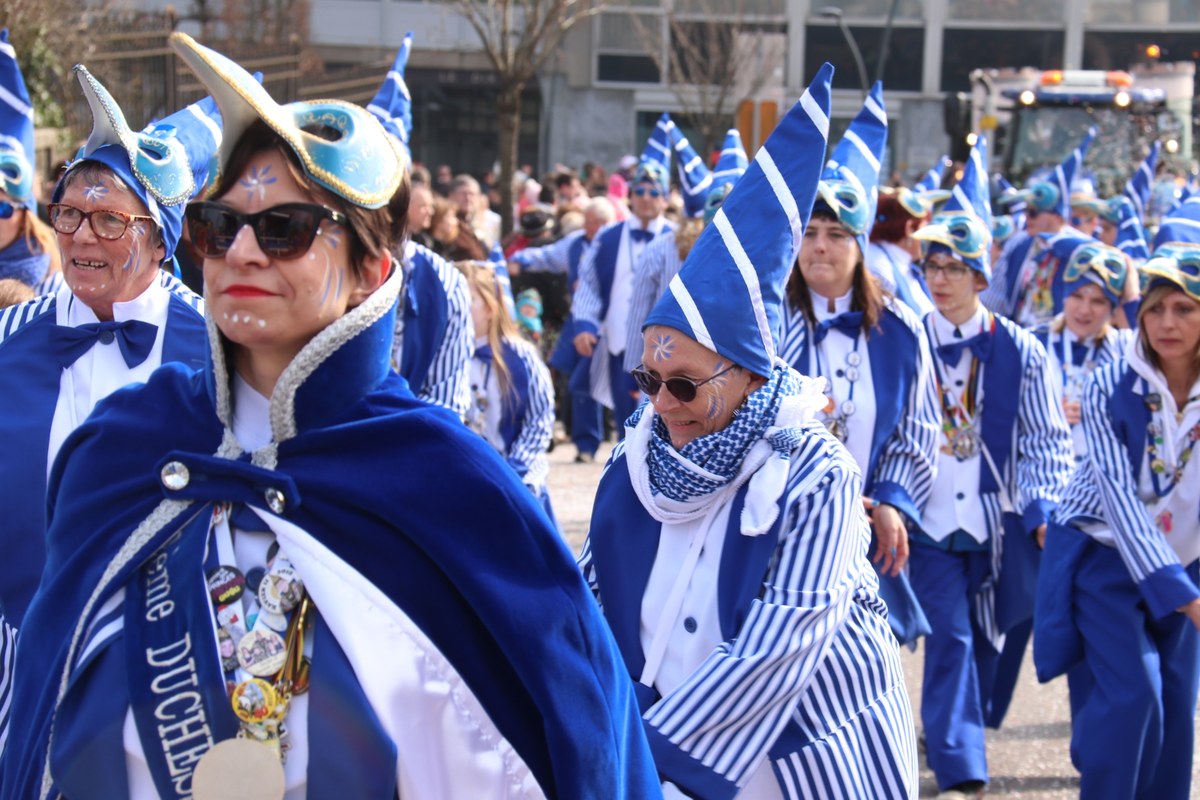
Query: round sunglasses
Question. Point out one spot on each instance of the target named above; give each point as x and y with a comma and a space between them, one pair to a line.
683, 389
283, 231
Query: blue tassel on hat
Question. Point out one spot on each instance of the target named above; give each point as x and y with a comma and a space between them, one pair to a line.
694, 177
16, 128
849, 185
165, 165
729, 291
392, 104
964, 227
1138, 187
503, 282
655, 163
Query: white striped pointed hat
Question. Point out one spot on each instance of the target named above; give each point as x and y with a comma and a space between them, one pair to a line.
1053, 192
655, 163
694, 178
730, 168
927, 192
727, 295
392, 104
1137, 188
963, 227
850, 183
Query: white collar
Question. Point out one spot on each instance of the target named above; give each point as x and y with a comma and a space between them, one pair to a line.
1139, 363
251, 416
944, 328
147, 306
820, 305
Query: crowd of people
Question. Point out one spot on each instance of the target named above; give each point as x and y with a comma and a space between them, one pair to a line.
276, 403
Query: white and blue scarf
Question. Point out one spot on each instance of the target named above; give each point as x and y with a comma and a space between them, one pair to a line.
683, 485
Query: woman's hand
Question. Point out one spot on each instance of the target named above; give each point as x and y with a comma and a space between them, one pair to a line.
891, 535
1192, 611
1072, 410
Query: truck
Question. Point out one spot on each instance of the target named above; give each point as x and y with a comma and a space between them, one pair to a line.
1033, 118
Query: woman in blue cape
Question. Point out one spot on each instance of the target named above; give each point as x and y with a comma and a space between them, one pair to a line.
293, 575
1118, 590
728, 544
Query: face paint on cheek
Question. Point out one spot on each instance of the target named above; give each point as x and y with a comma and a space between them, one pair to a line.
325, 294
136, 231
717, 404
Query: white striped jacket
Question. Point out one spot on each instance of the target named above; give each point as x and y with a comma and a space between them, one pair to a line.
1105, 489
812, 677
651, 275
527, 453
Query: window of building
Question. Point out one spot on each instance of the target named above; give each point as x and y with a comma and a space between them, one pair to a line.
626, 40
1141, 12
967, 50
1007, 10
905, 55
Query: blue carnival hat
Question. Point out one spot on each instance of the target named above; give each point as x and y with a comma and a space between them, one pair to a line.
1138, 187
849, 185
1010, 198
165, 165
1053, 193
694, 177
1131, 236
16, 128
655, 163
925, 193
499, 266
1175, 263
392, 104
1182, 225
730, 168
363, 165
728, 293
1003, 227
531, 322
963, 228
1085, 259
1083, 195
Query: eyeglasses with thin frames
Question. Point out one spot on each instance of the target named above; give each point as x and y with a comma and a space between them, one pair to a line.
106, 223
952, 272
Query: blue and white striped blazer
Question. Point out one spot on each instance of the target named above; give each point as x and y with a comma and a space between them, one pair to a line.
527, 423
809, 674
1104, 487
908, 414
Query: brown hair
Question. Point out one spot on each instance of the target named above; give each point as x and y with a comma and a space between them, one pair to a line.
1156, 294
373, 230
686, 235
891, 220
866, 295
482, 280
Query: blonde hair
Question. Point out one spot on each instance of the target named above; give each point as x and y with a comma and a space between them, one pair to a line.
13, 291
686, 235
482, 280
40, 238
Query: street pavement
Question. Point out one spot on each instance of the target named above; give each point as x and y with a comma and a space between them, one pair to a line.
1027, 758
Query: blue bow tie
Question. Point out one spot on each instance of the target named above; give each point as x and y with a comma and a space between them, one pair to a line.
1079, 352
849, 323
134, 337
980, 345
484, 352
642, 236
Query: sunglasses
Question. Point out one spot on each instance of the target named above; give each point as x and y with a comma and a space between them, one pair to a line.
642, 191
110, 225
284, 231
683, 389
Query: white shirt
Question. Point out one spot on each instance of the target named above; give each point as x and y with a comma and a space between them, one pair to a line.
616, 321
102, 370
830, 360
484, 416
954, 503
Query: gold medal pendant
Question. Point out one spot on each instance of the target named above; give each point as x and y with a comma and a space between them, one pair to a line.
238, 769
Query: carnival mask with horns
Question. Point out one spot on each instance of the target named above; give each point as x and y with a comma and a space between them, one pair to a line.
1106, 263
